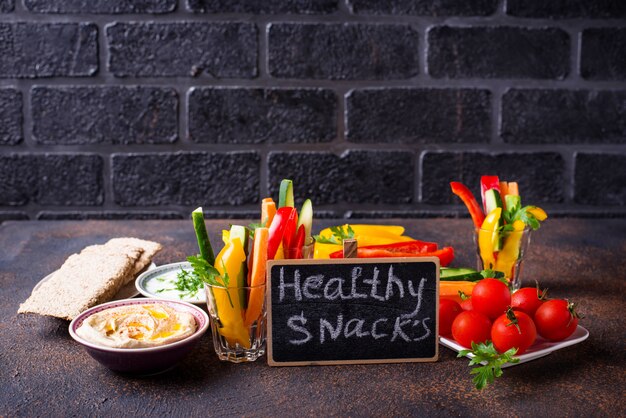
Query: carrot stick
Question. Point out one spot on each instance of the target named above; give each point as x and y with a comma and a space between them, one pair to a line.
513, 188
268, 210
504, 190
259, 261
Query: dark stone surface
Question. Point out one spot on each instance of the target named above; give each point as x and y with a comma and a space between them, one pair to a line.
10, 116
13, 216
51, 179
107, 215
540, 175
100, 6
353, 177
351, 51
612, 9
424, 7
419, 115
185, 178
562, 116
7, 6
221, 50
253, 116
104, 115
603, 55
600, 179
498, 52
46, 373
269, 7
32, 50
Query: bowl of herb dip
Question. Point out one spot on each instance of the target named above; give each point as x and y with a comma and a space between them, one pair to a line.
175, 281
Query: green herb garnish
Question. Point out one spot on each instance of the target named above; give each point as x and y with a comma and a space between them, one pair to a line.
337, 237
522, 214
486, 352
209, 274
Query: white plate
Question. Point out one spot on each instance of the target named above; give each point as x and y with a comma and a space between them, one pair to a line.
167, 272
540, 348
127, 291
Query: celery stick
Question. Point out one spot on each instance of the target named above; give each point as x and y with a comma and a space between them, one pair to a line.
285, 195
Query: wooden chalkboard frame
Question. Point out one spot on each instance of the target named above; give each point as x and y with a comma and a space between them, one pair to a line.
356, 261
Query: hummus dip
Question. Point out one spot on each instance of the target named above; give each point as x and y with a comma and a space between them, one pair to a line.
137, 326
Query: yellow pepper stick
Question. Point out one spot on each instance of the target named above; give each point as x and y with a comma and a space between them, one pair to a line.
507, 258
227, 302
365, 235
486, 235
538, 213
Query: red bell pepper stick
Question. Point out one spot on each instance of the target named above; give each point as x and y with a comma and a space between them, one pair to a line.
468, 198
296, 250
277, 229
488, 183
413, 247
289, 236
445, 255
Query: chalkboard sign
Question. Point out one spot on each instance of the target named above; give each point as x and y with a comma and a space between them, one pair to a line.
349, 311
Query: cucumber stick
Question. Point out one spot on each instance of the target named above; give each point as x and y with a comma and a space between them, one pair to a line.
204, 244
459, 274
285, 195
241, 232
492, 201
306, 218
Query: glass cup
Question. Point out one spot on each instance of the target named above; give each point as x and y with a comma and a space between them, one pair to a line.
502, 251
238, 331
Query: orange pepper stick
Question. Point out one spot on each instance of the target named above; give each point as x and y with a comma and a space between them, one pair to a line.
257, 279
268, 210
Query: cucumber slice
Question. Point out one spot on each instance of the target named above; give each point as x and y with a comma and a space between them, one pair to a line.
285, 195
459, 274
241, 232
306, 218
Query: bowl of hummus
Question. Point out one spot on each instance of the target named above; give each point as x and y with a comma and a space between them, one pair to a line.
140, 335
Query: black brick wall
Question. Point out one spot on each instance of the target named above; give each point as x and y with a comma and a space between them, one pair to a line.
145, 109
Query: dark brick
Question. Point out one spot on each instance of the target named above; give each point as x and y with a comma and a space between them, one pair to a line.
106, 215
221, 50
262, 7
419, 115
603, 55
7, 6
10, 117
498, 52
424, 7
354, 177
186, 178
540, 174
555, 9
253, 116
100, 6
563, 116
31, 50
104, 115
51, 179
13, 216
600, 179
343, 51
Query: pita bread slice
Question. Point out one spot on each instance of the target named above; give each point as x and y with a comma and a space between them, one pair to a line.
149, 249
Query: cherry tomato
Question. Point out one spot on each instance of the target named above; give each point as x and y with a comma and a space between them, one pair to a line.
471, 326
513, 329
528, 299
467, 305
491, 297
556, 319
448, 310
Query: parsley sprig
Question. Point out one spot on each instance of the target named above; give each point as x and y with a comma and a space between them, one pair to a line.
486, 352
520, 213
337, 237
209, 274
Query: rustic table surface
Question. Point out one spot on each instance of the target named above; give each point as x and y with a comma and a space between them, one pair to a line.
44, 372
